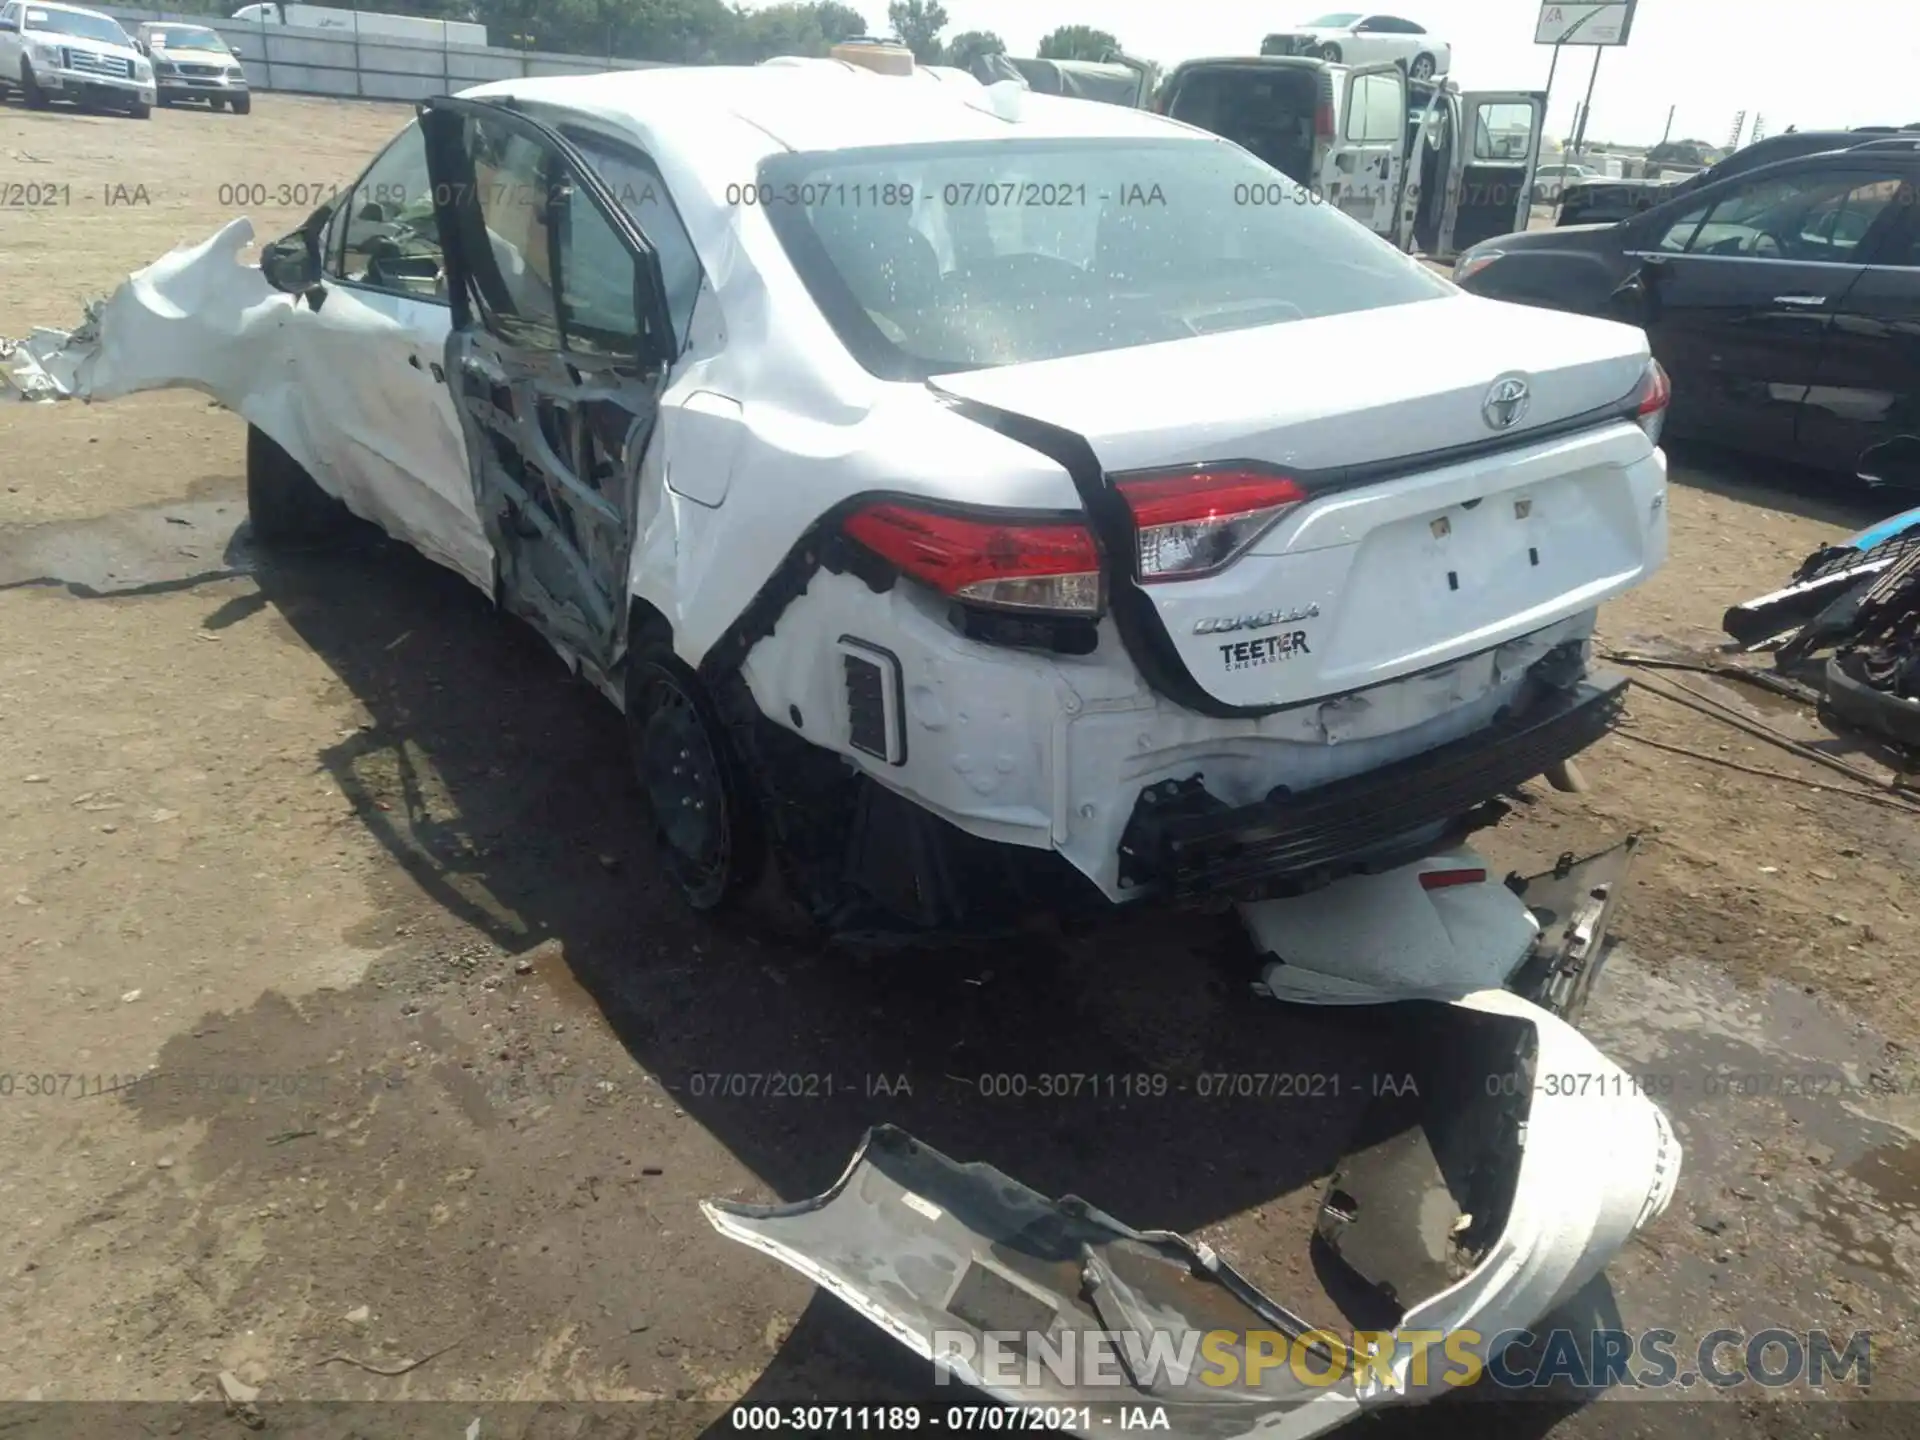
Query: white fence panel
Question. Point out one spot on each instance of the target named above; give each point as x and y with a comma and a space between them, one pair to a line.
376, 67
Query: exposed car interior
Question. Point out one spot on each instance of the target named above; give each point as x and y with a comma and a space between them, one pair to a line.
1268, 110
949, 283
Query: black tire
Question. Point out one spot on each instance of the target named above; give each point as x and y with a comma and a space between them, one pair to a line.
704, 815
1330, 53
1853, 700
1423, 67
140, 112
30, 90
285, 505
241, 104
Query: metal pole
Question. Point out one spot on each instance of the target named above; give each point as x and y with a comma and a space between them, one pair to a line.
1552, 70
1667, 134
1586, 113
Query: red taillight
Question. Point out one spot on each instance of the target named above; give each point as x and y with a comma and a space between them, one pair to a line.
1446, 879
1323, 126
1050, 565
1656, 390
1651, 400
1193, 525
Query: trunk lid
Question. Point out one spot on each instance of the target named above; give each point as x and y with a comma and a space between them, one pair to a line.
1370, 578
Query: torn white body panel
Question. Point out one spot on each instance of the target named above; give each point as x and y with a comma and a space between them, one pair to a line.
1050, 751
322, 385
1432, 930
1444, 927
1476, 1209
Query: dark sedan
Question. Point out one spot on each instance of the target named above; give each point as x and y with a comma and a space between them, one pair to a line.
1784, 302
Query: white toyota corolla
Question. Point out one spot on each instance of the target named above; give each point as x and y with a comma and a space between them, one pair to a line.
980, 502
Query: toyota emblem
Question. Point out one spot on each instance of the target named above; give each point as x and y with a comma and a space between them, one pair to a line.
1506, 402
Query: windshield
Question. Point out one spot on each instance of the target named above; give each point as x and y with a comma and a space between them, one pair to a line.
180, 37
928, 259
68, 22
1333, 22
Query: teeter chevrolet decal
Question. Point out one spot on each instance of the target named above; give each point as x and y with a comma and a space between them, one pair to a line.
1242, 654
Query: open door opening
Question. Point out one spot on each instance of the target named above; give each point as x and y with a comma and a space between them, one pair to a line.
557, 358
1270, 109
1490, 190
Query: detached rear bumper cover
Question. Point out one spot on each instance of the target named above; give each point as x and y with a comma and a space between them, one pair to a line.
1471, 1209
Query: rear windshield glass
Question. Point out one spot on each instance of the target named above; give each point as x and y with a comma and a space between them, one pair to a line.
87, 27
935, 258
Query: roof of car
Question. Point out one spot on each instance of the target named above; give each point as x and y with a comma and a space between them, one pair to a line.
802, 108
68, 9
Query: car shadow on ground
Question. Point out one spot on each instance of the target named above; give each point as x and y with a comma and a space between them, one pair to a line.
1106, 1065
503, 789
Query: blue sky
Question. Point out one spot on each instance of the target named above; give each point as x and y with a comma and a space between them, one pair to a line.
1849, 62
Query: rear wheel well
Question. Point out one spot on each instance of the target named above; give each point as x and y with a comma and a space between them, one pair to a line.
646, 624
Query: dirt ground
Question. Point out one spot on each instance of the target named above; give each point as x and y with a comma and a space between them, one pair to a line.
273, 833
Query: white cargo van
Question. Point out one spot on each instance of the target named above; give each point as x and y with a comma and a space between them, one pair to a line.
1421, 163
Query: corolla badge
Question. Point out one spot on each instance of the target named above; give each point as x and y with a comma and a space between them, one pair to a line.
1506, 402
1263, 620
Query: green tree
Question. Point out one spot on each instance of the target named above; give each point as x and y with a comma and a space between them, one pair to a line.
918, 23
965, 47
688, 32
1079, 42
799, 28
839, 22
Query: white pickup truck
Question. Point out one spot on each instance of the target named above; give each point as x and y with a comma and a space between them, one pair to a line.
54, 52
364, 22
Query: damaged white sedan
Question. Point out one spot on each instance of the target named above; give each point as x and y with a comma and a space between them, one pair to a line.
980, 503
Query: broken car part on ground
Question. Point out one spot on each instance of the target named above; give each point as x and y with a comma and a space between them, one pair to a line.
940, 606
1470, 1201
1848, 624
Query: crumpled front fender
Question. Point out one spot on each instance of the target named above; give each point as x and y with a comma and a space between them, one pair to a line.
1469, 1205
197, 318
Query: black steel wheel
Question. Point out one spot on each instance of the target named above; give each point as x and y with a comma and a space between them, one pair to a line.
703, 816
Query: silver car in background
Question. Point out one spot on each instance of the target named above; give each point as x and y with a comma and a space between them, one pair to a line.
192, 62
